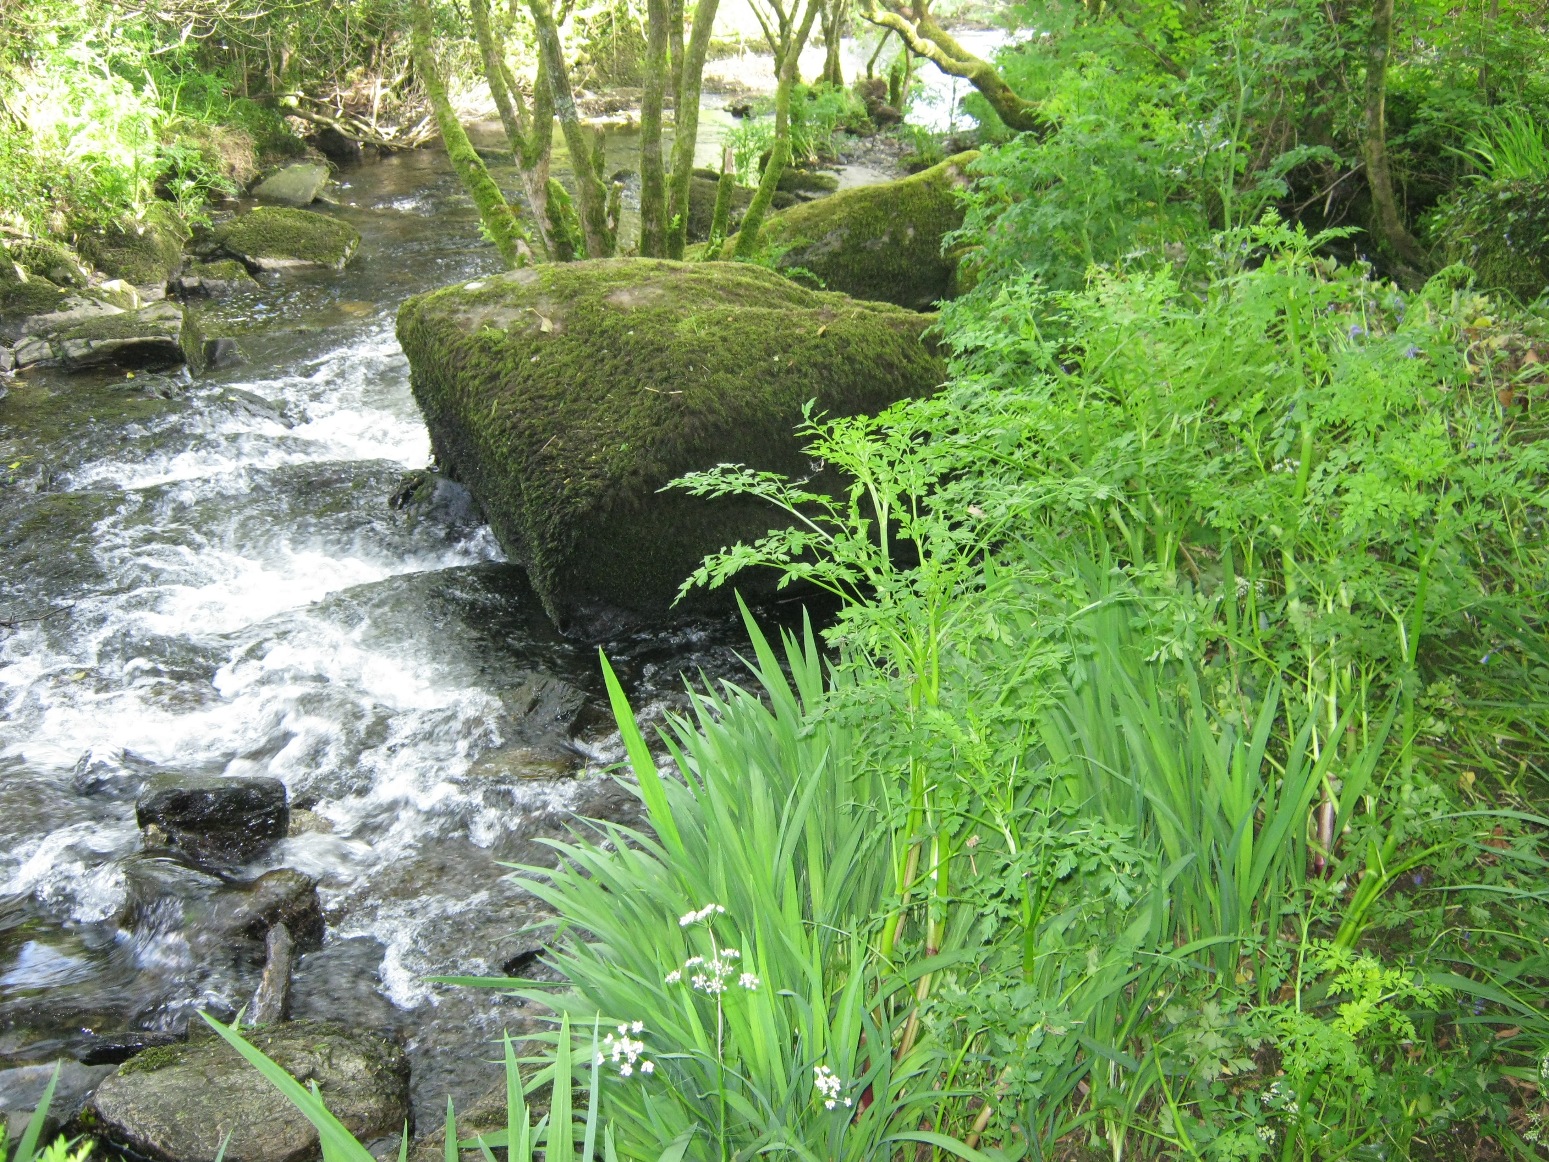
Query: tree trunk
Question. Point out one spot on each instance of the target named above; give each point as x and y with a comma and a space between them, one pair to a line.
686, 131
499, 220
498, 74
1409, 256
720, 223
675, 48
780, 153
653, 182
835, 17
590, 191
924, 37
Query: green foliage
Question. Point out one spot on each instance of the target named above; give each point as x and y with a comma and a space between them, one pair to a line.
818, 112
1511, 146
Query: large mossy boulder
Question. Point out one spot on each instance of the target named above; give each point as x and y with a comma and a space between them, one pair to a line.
297, 184
881, 242
279, 238
145, 252
565, 396
179, 1103
1501, 230
157, 336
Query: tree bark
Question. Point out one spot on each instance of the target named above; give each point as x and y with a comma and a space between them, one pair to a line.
720, 223
924, 37
499, 220
498, 74
1408, 254
835, 16
686, 130
653, 180
675, 43
590, 191
780, 153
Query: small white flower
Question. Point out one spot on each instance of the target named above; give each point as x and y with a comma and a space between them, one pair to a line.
749, 981
597, 1060
848, 1102
623, 1029
829, 1104
731, 953
626, 1069
687, 918
674, 976
637, 1026
648, 1067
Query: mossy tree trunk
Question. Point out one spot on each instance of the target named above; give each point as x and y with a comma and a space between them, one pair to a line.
780, 152
590, 190
675, 43
499, 220
1392, 233
531, 166
923, 36
720, 221
836, 15
686, 131
653, 177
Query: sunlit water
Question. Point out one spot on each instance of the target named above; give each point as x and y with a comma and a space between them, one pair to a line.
205, 576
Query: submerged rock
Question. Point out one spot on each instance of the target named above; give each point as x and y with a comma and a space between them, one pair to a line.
283, 896
565, 396
178, 1103
214, 819
275, 238
213, 279
146, 253
159, 335
879, 242
297, 184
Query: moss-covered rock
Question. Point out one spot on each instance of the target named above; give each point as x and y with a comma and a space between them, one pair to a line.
159, 335
565, 396
180, 1103
213, 279
279, 238
298, 184
22, 302
146, 252
51, 260
1501, 230
881, 242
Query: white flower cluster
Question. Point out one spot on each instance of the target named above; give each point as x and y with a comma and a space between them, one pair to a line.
699, 917
710, 976
625, 1052
828, 1085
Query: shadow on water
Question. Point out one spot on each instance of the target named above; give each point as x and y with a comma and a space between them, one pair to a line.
204, 576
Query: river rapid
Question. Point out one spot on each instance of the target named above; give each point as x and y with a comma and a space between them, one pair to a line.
205, 576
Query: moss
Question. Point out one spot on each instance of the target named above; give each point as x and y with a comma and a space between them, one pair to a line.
881, 242
566, 395
36, 296
702, 193
51, 260
164, 329
1501, 229
278, 234
146, 252
152, 1059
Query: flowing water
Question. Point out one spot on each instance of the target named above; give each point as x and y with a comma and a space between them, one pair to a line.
204, 576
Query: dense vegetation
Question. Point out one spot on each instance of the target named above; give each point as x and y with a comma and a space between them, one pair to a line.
1171, 782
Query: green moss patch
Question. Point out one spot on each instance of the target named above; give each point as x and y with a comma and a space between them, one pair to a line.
51, 260
36, 296
276, 237
881, 242
1501, 230
565, 396
145, 253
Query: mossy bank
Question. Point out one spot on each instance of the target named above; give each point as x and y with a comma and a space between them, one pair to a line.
565, 396
882, 242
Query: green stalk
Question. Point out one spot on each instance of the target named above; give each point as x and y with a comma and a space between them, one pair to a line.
686, 130
780, 152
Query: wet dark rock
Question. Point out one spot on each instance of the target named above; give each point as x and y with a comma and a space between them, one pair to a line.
117, 1048
539, 714
336, 147
214, 819
178, 1103
248, 403
222, 352
284, 896
425, 494
297, 184
159, 335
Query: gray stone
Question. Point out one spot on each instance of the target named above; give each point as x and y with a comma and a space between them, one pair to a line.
222, 352
275, 238
179, 1103
159, 335
213, 279
7, 359
214, 819
294, 185
22, 1088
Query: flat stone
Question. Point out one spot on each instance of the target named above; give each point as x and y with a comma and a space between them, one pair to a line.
294, 185
22, 1088
272, 238
283, 896
7, 359
213, 279
155, 336
215, 819
179, 1103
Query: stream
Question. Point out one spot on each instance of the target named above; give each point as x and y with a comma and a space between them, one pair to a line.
203, 575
